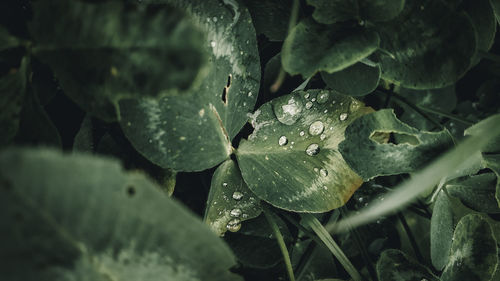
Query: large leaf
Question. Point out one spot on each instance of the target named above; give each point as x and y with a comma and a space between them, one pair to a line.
365, 150
312, 47
12, 91
126, 50
193, 132
395, 265
423, 42
83, 218
474, 252
358, 79
291, 159
229, 202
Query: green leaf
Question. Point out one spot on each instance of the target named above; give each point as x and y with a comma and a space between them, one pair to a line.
126, 50
380, 10
474, 252
229, 202
395, 265
495, 4
312, 47
494, 145
270, 17
7, 41
12, 91
483, 19
84, 139
422, 42
492, 161
193, 132
443, 223
112, 225
291, 158
476, 192
366, 151
358, 79
332, 11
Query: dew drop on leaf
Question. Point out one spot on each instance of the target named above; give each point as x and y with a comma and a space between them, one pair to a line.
322, 137
224, 184
323, 172
316, 128
302, 133
288, 110
309, 105
312, 149
282, 141
237, 195
323, 97
235, 212
343, 117
212, 43
306, 95
234, 225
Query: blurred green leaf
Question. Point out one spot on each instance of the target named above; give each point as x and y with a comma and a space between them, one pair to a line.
291, 159
59, 225
312, 47
421, 42
367, 152
126, 50
7, 41
270, 17
358, 79
193, 132
229, 202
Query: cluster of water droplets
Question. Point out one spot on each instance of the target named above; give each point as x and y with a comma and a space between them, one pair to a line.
234, 224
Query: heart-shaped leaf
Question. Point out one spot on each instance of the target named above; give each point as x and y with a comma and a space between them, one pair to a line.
474, 252
358, 79
422, 42
366, 151
59, 225
291, 159
193, 132
126, 50
12, 91
229, 202
313, 47
394, 265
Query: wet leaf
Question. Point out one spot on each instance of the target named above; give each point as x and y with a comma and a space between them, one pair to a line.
193, 132
229, 202
422, 41
126, 50
395, 265
474, 252
291, 159
312, 47
358, 79
56, 224
13, 87
366, 151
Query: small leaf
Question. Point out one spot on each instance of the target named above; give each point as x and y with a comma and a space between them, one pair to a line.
229, 202
59, 225
474, 252
394, 265
365, 150
12, 92
291, 159
193, 132
358, 79
270, 17
422, 41
312, 47
132, 50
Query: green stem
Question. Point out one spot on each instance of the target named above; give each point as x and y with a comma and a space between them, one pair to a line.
447, 115
327, 239
281, 242
489, 56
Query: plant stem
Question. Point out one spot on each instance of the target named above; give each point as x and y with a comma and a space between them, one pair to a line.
413, 242
294, 14
327, 239
281, 242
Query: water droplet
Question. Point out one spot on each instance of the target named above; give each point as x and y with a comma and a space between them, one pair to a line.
324, 187
306, 95
234, 225
326, 110
322, 137
212, 43
309, 105
323, 172
316, 170
250, 94
208, 19
224, 184
323, 97
214, 19
355, 105
316, 128
312, 149
237, 195
343, 116
313, 99
287, 110
302, 133
235, 212
282, 141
